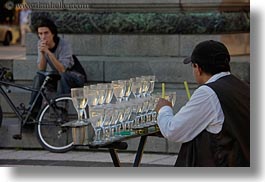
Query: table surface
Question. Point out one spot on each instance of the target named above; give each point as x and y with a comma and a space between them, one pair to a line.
120, 142
149, 132
120, 137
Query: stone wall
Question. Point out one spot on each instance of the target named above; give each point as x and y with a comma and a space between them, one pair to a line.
110, 57
122, 39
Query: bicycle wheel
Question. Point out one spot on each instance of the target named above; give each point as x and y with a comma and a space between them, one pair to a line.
50, 133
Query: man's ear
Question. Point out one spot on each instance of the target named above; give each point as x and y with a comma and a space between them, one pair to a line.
199, 70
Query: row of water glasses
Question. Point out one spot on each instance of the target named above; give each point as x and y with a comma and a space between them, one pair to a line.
113, 121
90, 96
139, 86
108, 120
143, 86
99, 94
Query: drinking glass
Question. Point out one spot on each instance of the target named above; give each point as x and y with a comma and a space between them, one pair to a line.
101, 90
131, 120
151, 109
144, 112
128, 88
138, 106
171, 97
96, 124
151, 79
136, 87
94, 89
127, 111
119, 121
130, 114
118, 90
109, 93
145, 85
112, 124
79, 102
108, 115
91, 96
99, 112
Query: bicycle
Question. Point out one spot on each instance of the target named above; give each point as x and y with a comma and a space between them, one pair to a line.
48, 124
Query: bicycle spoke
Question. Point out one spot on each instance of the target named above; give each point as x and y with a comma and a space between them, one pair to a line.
51, 134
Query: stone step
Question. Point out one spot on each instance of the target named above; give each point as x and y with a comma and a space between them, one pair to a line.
9, 128
171, 72
107, 68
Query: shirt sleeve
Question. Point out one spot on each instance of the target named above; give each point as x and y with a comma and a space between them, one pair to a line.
65, 55
198, 114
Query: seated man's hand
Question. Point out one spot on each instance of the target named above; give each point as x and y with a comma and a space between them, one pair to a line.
43, 46
161, 103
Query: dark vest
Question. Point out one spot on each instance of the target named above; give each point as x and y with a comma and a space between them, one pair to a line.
231, 146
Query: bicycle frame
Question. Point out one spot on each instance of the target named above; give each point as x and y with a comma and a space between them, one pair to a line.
53, 114
11, 103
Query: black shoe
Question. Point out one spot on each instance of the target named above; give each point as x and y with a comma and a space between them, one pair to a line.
17, 137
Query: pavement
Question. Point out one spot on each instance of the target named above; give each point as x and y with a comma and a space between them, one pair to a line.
12, 52
80, 158
27, 152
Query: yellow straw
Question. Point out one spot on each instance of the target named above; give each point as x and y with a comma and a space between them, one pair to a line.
163, 90
187, 89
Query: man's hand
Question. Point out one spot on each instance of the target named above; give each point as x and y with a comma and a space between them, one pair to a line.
43, 48
161, 103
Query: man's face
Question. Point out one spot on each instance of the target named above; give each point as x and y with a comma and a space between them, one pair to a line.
196, 73
46, 35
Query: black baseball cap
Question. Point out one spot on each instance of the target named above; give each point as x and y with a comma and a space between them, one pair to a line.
209, 52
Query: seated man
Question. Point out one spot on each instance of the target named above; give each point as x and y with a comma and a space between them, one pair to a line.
55, 54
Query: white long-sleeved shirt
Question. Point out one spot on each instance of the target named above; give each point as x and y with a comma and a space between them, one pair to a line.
202, 111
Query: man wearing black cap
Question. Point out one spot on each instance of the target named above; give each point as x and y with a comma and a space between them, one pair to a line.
214, 125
